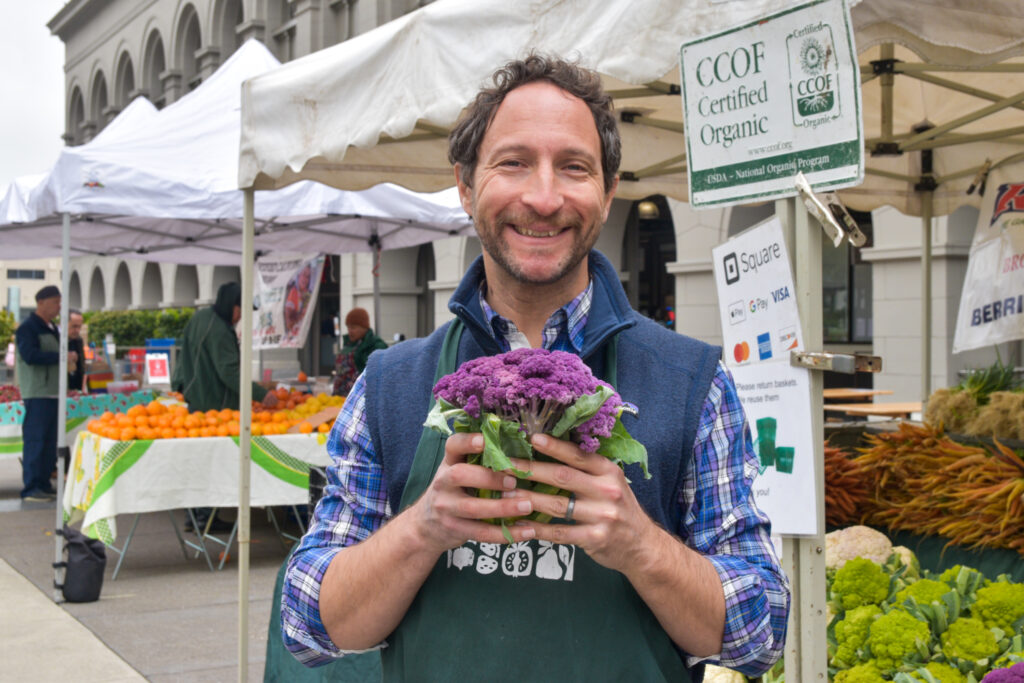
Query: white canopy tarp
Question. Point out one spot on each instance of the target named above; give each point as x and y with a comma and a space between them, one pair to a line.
378, 107
162, 186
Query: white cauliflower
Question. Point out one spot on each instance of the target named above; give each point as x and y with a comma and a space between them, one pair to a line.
718, 674
856, 541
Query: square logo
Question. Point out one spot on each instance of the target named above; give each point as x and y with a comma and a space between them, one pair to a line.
737, 312
732, 268
764, 346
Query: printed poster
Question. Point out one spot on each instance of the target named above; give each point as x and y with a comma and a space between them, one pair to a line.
286, 291
760, 327
992, 302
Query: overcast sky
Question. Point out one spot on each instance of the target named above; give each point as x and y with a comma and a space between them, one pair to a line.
32, 81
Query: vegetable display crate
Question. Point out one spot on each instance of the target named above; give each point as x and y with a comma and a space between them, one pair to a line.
79, 410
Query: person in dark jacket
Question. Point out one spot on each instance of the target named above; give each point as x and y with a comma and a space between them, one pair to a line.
38, 349
207, 371
357, 345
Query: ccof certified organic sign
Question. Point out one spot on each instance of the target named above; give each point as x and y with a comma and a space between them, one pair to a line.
767, 100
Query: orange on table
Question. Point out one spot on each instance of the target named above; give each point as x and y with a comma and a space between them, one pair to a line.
141, 420
302, 376
166, 433
257, 429
305, 427
136, 410
193, 432
126, 434
154, 407
324, 427
107, 416
162, 421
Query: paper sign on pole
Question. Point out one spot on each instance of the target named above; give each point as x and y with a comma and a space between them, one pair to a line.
760, 326
768, 99
157, 370
992, 302
286, 288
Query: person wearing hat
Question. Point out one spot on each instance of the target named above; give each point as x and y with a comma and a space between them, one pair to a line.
207, 370
357, 345
38, 358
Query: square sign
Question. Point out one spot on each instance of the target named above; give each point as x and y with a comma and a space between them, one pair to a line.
766, 100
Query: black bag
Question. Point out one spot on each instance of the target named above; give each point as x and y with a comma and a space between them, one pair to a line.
85, 563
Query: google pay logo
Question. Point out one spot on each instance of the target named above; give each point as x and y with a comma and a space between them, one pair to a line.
732, 268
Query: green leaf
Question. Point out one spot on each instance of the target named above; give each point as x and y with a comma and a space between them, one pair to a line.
583, 409
514, 442
437, 421
622, 448
493, 456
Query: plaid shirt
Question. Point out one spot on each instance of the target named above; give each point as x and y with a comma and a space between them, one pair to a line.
720, 520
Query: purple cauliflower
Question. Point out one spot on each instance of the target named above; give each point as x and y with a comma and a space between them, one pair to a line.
534, 388
1013, 674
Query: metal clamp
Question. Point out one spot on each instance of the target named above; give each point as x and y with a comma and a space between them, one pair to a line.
836, 362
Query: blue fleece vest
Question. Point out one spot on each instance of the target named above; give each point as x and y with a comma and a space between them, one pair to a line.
665, 374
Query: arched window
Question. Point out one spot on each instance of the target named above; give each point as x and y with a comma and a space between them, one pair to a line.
124, 84
189, 42
227, 17
154, 64
98, 100
76, 117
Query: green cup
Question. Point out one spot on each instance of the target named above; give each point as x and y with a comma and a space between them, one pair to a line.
766, 440
784, 459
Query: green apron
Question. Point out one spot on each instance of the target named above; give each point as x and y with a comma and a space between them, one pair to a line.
532, 611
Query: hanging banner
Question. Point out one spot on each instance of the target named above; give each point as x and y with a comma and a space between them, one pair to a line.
992, 302
766, 100
760, 326
286, 290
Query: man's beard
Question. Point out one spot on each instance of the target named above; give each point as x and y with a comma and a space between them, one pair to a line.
493, 242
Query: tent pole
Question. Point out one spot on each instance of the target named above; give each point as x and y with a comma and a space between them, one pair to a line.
245, 433
62, 400
375, 242
886, 82
803, 557
926, 296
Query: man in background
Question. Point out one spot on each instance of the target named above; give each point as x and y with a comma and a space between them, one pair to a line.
38, 351
76, 345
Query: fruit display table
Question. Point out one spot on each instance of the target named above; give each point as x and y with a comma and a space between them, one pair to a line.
79, 410
109, 477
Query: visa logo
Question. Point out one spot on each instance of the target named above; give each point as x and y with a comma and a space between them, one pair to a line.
780, 294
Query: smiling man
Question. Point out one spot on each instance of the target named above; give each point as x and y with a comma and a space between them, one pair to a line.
640, 580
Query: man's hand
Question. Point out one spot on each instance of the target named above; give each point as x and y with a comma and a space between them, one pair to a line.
72, 357
610, 525
681, 586
447, 515
270, 400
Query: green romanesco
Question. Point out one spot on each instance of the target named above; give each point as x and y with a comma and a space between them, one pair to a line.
862, 673
924, 592
852, 634
967, 638
944, 673
999, 604
860, 582
893, 636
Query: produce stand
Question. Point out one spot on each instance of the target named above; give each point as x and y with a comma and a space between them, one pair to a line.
79, 410
109, 477
936, 553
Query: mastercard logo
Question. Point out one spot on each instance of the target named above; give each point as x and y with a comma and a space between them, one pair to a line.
741, 352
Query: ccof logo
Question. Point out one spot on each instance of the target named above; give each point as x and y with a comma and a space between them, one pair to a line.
813, 68
732, 268
741, 352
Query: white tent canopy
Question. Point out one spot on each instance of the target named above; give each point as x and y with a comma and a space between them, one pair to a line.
378, 107
162, 186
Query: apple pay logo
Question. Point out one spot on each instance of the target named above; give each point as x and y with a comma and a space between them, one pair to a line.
732, 268
737, 312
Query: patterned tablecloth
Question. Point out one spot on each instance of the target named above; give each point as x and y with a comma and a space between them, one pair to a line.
79, 410
109, 478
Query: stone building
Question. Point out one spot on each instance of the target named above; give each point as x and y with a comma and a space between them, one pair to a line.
119, 49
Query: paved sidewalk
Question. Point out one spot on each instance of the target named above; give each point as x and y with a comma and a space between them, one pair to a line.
39, 640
